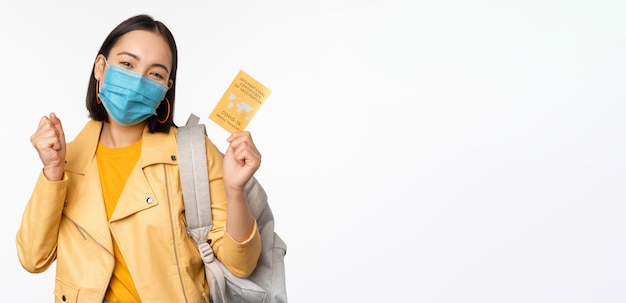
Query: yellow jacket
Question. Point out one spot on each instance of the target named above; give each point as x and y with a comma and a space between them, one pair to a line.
66, 221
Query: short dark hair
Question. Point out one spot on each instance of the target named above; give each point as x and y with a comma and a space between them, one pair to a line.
140, 22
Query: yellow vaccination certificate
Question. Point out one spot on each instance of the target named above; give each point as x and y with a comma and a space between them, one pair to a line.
240, 102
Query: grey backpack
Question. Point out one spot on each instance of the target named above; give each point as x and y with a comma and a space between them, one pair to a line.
266, 284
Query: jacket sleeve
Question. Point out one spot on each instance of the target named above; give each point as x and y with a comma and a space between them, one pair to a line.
239, 258
36, 238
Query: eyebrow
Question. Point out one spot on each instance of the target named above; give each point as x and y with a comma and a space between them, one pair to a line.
137, 58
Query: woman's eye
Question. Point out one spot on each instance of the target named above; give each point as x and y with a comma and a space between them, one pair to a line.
157, 75
127, 64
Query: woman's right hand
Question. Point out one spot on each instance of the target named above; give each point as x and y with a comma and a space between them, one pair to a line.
49, 140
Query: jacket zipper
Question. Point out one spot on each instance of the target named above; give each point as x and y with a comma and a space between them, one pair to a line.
84, 235
172, 219
79, 231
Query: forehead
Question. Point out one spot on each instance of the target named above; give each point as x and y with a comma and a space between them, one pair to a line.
146, 45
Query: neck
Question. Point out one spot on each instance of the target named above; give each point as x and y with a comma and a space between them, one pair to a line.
114, 135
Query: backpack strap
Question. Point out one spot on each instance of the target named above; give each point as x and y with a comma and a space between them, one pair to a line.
194, 178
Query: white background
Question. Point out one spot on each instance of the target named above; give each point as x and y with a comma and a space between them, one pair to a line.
413, 151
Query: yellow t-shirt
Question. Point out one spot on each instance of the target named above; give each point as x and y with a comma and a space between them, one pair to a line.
115, 165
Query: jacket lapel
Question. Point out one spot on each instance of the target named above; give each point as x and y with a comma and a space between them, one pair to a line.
85, 205
138, 195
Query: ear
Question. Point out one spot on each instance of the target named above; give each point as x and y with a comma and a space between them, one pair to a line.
99, 68
170, 83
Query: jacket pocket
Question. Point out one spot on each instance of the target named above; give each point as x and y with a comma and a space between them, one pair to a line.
65, 293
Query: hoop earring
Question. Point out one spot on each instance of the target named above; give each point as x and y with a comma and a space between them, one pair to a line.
97, 91
168, 112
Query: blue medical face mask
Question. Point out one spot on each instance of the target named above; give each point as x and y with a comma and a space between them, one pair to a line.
130, 97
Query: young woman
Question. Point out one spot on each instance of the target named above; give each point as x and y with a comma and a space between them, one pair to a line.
108, 206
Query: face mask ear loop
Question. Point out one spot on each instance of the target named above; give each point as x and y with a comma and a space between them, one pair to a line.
168, 112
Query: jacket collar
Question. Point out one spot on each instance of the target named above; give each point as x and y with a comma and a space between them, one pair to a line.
155, 147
